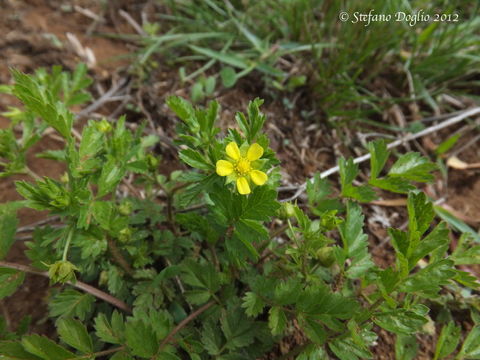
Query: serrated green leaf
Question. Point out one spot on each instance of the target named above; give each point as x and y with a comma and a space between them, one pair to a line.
201, 275
237, 329
348, 171
420, 215
71, 303
414, 167
200, 225
102, 212
355, 241
314, 329
183, 109
141, 339
105, 331
248, 232
400, 241
447, 341
437, 240
45, 348
113, 332
467, 279
317, 189
400, 321
312, 352
393, 184
197, 297
261, 204
362, 193
122, 355
252, 304
195, 159
469, 256
319, 300
347, 349
428, 280
471, 346
10, 280
41, 102
277, 320
379, 155
288, 291
8, 227
211, 337
204, 278
91, 143
10, 350
351, 230
74, 333
406, 347
110, 176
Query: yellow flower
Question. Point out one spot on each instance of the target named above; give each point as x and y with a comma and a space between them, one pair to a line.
242, 166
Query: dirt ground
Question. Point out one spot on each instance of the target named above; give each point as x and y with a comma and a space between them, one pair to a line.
35, 34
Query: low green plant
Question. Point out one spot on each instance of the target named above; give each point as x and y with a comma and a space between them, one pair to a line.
207, 263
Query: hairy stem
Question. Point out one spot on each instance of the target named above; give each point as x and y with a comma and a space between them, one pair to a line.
67, 244
78, 284
183, 323
118, 257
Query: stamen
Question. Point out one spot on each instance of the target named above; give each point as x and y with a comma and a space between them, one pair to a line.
243, 166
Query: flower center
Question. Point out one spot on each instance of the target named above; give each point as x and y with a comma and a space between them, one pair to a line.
243, 166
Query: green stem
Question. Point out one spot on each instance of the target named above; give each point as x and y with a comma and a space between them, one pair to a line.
67, 245
32, 173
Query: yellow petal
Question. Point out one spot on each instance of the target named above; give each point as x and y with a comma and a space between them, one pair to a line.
258, 177
233, 151
254, 152
242, 186
224, 168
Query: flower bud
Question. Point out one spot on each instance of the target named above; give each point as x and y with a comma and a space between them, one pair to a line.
325, 256
152, 162
103, 279
125, 235
64, 178
62, 271
104, 126
287, 210
125, 208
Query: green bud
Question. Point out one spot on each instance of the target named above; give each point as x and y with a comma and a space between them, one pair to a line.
61, 201
287, 210
104, 126
325, 256
125, 208
64, 178
62, 271
125, 235
152, 162
103, 279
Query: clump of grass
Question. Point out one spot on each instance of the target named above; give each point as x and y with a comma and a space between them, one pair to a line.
351, 69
